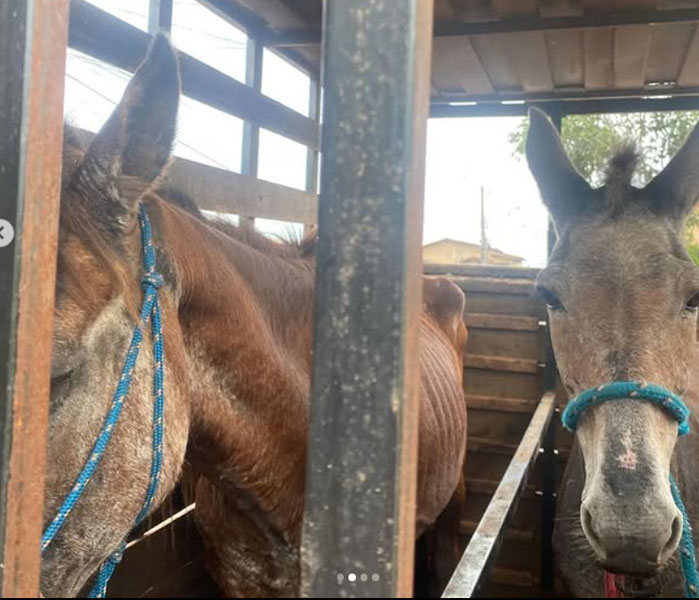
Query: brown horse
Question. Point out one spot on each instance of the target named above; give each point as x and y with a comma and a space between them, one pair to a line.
237, 313
622, 295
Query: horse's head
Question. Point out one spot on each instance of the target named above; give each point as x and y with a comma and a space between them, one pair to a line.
622, 294
98, 295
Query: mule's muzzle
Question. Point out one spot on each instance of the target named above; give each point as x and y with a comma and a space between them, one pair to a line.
632, 542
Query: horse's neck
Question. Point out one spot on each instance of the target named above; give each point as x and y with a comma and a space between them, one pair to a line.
246, 320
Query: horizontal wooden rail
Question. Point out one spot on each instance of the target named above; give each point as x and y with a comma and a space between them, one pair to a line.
224, 191
477, 561
228, 192
512, 534
309, 36
497, 285
499, 404
487, 446
99, 34
481, 271
501, 363
488, 487
495, 321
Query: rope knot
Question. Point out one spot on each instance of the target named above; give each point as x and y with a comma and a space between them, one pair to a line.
152, 279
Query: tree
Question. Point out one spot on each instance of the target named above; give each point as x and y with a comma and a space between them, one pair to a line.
591, 139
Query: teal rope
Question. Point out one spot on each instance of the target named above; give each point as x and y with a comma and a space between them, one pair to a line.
688, 558
635, 390
150, 311
673, 404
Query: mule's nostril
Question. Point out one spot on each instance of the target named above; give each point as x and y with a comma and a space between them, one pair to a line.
589, 531
674, 540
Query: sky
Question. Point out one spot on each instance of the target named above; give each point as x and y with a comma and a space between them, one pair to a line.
462, 155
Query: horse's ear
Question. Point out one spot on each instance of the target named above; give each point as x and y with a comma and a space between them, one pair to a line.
563, 190
675, 190
133, 148
445, 302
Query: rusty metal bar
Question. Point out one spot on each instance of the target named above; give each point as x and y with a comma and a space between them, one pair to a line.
359, 526
33, 37
477, 561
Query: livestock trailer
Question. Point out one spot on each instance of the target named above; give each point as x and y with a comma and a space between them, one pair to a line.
487, 58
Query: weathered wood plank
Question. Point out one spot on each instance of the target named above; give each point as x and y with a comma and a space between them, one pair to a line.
501, 404
512, 534
515, 8
599, 59
530, 58
494, 321
506, 343
511, 285
689, 73
481, 271
224, 191
488, 446
228, 192
565, 51
487, 487
501, 363
667, 52
505, 304
497, 62
457, 67
631, 48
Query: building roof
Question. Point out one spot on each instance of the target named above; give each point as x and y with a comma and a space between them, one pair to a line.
475, 246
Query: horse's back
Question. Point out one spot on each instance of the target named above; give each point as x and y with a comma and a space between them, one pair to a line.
442, 408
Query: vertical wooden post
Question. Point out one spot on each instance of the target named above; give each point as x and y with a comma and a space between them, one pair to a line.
312, 155
159, 16
359, 526
251, 132
33, 38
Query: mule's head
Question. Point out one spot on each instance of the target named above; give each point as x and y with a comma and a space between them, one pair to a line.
98, 295
622, 296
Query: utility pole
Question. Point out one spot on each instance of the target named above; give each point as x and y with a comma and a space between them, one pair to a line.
484, 239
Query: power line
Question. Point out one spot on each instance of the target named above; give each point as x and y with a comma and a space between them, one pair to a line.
112, 102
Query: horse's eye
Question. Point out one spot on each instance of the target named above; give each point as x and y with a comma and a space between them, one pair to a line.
692, 305
552, 301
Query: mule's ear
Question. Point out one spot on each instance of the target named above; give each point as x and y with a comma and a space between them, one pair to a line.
563, 190
675, 190
133, 148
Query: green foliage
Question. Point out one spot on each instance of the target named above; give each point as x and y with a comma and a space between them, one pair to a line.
591, 139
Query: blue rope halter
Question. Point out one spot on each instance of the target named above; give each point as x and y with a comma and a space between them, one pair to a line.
150, 310
673, 404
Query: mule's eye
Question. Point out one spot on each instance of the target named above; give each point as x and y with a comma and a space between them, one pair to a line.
550, 298
692, 304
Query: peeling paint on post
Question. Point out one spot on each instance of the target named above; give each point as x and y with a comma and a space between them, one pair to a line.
33, 37
359, 523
